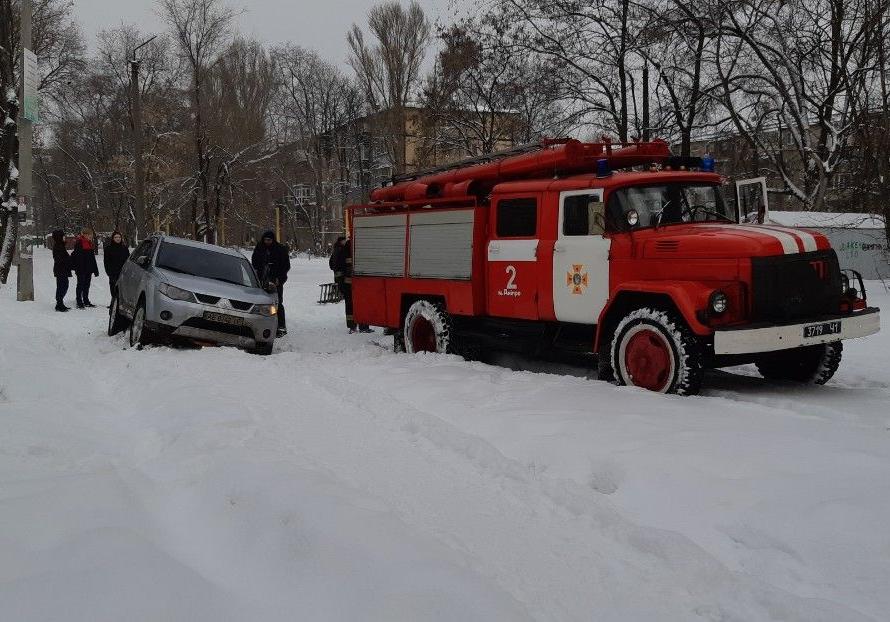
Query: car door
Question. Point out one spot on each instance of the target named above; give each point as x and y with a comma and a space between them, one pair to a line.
580, 258
513, 257
132, 275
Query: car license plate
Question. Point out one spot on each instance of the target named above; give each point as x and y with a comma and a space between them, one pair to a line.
222, 318
811, 331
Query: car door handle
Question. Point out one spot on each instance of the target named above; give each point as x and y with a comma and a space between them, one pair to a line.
494, 248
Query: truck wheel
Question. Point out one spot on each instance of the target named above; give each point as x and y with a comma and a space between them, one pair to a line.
654, 349
427, 328
140, 334
810, 365
116, 321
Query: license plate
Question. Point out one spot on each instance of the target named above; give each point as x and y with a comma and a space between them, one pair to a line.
819, 330
222, 318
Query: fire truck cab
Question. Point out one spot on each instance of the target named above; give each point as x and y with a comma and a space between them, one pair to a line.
625, 253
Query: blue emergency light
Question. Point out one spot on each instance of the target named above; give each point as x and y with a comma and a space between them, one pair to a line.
707, 163
602, 168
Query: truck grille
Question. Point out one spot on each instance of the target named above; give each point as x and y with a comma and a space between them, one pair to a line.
792, 287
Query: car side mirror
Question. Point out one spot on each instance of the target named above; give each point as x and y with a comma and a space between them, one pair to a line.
142, 262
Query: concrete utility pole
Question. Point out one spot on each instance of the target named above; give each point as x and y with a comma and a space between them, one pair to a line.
138, 164
27, 116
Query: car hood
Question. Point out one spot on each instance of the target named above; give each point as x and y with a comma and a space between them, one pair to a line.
717, 240
219, 289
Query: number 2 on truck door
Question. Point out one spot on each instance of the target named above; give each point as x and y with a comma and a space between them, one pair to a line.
512, 259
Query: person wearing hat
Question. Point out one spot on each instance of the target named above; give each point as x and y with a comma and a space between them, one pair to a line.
271, 260
341, 263
62, 268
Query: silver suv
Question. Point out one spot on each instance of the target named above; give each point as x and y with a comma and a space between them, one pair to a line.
171, 287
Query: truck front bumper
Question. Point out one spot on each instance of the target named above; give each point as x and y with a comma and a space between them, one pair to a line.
772, 337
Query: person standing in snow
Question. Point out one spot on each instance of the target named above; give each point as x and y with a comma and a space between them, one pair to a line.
271, 260
84, 259
341, 263
62, 267
115, 256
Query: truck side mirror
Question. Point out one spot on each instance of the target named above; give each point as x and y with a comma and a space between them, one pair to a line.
596, 218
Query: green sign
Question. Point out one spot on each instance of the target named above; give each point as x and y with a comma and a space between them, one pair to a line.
30, 82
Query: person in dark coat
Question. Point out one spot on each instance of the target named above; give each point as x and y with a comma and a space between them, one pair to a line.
115, 256
62, 267
271, 261
341, 263
85, 266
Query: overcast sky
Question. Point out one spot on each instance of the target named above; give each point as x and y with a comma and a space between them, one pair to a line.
318, 24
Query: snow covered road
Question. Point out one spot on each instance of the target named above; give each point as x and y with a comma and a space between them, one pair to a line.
335, 480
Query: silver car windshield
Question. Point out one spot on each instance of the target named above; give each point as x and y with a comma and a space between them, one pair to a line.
666, 204
205, 263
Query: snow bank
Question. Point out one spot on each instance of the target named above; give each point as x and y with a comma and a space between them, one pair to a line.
841, 220
335, 480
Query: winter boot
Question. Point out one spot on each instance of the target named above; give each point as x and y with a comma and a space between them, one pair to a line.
60, 307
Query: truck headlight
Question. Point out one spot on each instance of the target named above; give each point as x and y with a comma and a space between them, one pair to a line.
718, 302
267, 310
176, 293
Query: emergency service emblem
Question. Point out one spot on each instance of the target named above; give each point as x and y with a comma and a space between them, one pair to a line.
577, 279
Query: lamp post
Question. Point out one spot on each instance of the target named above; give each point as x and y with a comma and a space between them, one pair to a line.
136, 120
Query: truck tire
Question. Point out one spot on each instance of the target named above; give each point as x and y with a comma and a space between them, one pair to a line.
808, 365
116, 321
655, 350
427, 328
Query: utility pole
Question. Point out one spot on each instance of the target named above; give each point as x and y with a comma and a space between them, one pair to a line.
138, 164
27, 116
645, 100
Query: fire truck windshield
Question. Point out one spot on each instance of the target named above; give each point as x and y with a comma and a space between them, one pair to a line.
666, 204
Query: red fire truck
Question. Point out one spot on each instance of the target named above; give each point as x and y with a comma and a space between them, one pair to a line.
623, 252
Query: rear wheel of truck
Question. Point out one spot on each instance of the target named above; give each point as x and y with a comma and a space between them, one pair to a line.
809, 365
655, 350
427, 328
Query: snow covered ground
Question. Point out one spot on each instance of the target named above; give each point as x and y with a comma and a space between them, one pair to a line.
335, 480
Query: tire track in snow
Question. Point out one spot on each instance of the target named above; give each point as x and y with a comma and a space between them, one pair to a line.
558, 547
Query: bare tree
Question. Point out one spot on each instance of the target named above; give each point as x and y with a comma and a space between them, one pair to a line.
793, 76
200, 29
388, 70
314, 112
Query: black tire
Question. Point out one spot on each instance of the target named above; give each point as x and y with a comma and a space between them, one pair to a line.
814, 364
116, 321
263, 349
427, 328
140, 335
660, 349
398, 342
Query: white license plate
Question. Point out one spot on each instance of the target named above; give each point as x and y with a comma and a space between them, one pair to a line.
222, 318
811, 331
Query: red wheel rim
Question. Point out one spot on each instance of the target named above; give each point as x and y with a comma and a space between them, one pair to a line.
648, 361
423, 335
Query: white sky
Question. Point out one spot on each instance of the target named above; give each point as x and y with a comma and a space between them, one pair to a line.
317, 24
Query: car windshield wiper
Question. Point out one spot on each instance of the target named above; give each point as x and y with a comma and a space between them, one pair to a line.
179, 270
219, 278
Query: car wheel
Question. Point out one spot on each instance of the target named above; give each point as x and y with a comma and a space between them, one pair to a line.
427, 328
814, 364
655, 350
140, 334
116, 321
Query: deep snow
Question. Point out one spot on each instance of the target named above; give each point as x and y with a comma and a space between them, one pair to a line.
335, 480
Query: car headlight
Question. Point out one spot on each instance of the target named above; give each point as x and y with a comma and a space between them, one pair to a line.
718, 302
176, 293
268, 310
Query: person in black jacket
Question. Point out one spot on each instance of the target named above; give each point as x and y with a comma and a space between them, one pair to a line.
62, 267
341, 263
84, 259
271, 261
115, 256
